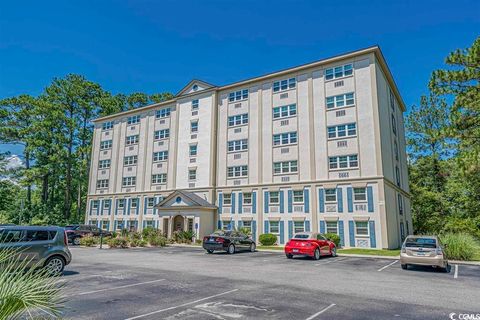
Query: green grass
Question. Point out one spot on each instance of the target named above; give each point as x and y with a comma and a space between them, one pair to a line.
371, 252
270, 247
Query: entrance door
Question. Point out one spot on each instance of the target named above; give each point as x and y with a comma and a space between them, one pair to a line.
178, 223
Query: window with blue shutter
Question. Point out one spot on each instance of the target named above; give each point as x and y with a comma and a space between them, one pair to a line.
254, 230
282, 232
265, 202
373, 240
116, 206
265, 227
138, 206
340, 200
145, 208
109, 206
350, 199
240, 224
100, 208
351, 233
128, 207
322, 226
370, 198
240, 202
341, 232
233, 203
306, 200
220, 203
290, 201
254, 202
219, 225
282, 201
91, 207
290, 229
321, 200
307, 225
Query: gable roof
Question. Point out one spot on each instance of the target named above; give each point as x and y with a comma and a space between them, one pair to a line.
203, 84
196, 200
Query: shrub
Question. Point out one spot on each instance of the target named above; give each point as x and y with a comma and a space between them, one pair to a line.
114, 234
268, 239
183, 236
135, 243
142, 243
245, 231
149, 231
459, 246
88, 241
119, 242
333, 237
157, 241
135, 236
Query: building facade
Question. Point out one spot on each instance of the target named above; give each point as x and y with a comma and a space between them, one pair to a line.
318, 147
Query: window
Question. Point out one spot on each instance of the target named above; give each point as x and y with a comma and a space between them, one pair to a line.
193, 150
343, 162
359, 194
341, 100
103, 183
195, 104
132, 140
129, 181
106, 204
345, 130
332, 227
298, 226
107, 125
134, 203
330, 195
284, 111
395, 148
400, 204
237, 171
238, 145
159, 178
163, 113
361, 228
107, 144
247, 198
238, 95
298, 196
160, 156
36, 235
274, 198
10, 235
133, 119
130, 160
95, 204
338, 72
192, 174
392, 100
227, 199
121, 203
394, 125
194, 126
162, 134
284, 84
238, 120
284, 138
285, 167
226, 225
397, 174
104, 164
247, 225
274, 227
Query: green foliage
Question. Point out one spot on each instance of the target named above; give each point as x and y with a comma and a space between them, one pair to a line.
460, 246
149, 231
89, 241
157, 241
119, 242
333, 237
267, 239
245, 231
183, 236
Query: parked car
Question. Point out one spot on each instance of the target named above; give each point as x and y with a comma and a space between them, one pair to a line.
76, 231
229, 241
310, 244
423, 250
44, 247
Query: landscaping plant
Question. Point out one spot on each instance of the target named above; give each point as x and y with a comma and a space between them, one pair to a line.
267, 239
459, 246
333, 237
89, 241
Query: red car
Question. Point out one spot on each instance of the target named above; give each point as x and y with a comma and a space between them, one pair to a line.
310, 244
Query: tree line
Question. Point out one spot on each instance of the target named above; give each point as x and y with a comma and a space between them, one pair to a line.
55, 128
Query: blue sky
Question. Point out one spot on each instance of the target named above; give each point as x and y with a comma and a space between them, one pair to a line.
155, 46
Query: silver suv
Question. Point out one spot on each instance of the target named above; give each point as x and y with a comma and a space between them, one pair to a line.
42, 246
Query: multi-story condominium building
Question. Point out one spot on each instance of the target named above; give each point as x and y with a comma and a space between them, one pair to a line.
318, 147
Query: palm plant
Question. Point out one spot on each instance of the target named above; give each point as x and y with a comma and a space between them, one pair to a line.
27, 292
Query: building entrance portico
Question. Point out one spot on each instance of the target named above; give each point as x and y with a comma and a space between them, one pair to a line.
178, 223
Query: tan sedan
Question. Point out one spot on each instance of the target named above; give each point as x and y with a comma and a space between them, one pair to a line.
424, 251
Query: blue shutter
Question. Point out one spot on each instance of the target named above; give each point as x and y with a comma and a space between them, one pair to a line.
219, 224
306, 200
254, 231
138, 206
100, 208
370, 198
321, 199
240, 224
108, 225
99, 224
373, 240
307, 225
233, 203
240, 202
220, 203
341, 232
231, 225
91, 207
350, 199
322, 226
145, 207
128, 207
254, 202
116, 206
265, 202
282, 232
282, 201
290, 229
290, 201
109, 206
266, 226
339, 200
351, 233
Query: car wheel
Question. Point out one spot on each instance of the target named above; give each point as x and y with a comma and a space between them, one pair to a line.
231, 249
316, 254
55, 265
209, 251
289, 256
404, 266
252, 247
76, 241
333, 252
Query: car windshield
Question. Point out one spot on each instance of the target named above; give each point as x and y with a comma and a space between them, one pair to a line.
421, 243
222, 233
302, 236
71, 227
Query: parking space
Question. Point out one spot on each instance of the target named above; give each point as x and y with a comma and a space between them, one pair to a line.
186, 283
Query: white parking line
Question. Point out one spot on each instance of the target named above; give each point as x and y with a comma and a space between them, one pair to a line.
388, 265
330, 261
120, 287
455, 276
181, 305
313, 316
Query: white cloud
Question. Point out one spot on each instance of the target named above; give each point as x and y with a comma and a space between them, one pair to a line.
14, 162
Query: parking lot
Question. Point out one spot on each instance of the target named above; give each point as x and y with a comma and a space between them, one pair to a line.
187, 283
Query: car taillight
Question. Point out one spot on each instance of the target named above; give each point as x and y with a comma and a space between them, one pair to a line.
220, 240
65, 239
205, 238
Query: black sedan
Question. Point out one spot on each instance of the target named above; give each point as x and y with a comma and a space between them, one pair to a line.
229, 241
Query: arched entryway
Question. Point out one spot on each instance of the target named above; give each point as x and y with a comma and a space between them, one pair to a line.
178, 223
